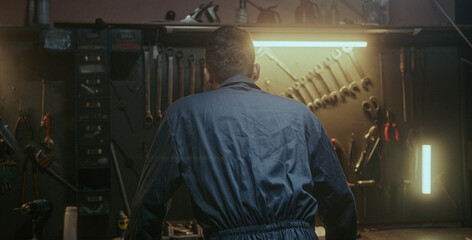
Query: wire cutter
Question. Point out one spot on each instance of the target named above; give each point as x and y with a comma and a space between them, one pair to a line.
390, 124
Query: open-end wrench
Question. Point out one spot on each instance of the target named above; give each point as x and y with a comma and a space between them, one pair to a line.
314, 80
148, 119
310, 88
352, 85
159, 83
291, 93
202, 76
338, 77
365, 80
305, 96
180, 62
333, 95
170, 74
267, 52
48, 143
192, 61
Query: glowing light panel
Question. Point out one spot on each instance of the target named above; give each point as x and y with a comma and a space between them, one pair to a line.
426, 166
308, 44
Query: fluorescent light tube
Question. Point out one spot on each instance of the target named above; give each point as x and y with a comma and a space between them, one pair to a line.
426, 166
308, 44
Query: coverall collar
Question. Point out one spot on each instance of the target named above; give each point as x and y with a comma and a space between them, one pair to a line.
238, 78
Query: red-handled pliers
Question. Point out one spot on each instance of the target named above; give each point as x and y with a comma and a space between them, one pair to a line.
390, 124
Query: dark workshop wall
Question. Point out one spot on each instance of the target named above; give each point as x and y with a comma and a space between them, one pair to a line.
433, 113
22, 67
402, 12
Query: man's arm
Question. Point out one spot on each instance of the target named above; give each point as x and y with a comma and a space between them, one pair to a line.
337, 206
159, 179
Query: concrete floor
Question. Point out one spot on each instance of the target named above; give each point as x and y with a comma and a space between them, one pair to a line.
445, 233
418, 234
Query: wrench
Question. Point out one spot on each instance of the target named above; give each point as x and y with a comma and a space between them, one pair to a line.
302, 92
148, 119
333, 95
352, 85
314, 81
191, 60
337, 76
311, 90
159, 83
365, 81
291, 93
48, 143
179, 55
202, 76
267, 52
170, 74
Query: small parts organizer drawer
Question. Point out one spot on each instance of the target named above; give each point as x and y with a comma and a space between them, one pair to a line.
89, 39
92, 63
93, 87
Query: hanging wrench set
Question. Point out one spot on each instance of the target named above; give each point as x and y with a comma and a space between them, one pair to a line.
338, 77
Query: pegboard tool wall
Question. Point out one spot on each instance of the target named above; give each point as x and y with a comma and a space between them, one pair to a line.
391, 199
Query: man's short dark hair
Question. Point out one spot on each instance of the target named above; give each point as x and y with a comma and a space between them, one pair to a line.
230, 52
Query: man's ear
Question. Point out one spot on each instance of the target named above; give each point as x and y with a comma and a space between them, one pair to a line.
257, 71
207, 75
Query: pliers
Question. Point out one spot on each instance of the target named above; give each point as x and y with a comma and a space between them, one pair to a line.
390, 124
22, 118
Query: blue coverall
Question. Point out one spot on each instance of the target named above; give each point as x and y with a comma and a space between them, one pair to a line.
256, 166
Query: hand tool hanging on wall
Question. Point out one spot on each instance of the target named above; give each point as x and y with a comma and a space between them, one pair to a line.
390, 124
349, 151
291, 94
202, 76
267, 15
333, 93
371, 139
302, 93
372, 106
337, 76
352, 85
310, 88
158, 52
324, 97
170, 75
148, 118
365, 80
192, 62
271, 55
6, 166
120, 179
44, 161
47, 142
402, 71
180, 62
7, 135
